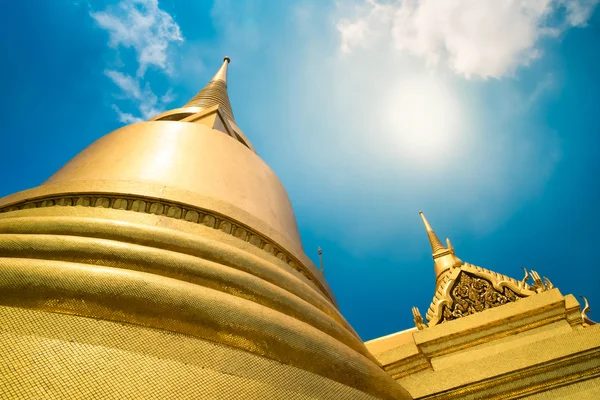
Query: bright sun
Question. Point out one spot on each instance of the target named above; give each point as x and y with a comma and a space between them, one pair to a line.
424, 119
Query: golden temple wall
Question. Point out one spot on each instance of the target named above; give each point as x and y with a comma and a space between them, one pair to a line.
537, 346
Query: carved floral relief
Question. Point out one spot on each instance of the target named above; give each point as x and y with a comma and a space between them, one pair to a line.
472, 294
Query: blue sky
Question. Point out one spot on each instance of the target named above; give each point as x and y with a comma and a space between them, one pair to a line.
482, 113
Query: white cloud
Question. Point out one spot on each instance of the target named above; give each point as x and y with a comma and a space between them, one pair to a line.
380, 136
485, 38
126, 118
128, 84
147, 102
578, 11
352, 34
167, 97
143, 26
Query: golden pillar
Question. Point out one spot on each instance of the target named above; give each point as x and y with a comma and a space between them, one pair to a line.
164, 261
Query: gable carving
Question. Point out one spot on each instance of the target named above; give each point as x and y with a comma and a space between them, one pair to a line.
471, 294
469, 289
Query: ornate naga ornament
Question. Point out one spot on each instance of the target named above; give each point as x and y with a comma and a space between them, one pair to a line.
464, 289
586, 310
419, 323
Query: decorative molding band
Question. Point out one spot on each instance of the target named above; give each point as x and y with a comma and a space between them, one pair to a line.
408, 366
171, 209
536, 379
431, 353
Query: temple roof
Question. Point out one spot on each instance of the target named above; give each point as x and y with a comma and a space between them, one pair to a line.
463, 289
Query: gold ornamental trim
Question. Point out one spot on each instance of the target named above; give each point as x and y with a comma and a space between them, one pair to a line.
500, 289
175, 210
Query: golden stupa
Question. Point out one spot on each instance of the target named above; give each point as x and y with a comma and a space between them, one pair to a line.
164, 262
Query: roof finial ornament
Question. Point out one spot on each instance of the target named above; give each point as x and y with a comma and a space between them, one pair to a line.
549, 285
215, 93
586, 309
436, 245
221, 74
443, 258
525, 278
320, 252
419, 322
538, 285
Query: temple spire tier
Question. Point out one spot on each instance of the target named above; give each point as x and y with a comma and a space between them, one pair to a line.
444, 258
215, 93
463, 289
434, 241
210, 107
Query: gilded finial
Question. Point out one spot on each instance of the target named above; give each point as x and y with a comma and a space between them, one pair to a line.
586, 309
215, 93
419, 322
443, 258
320, 252
524, 280
539, 285
436, 245
221, 74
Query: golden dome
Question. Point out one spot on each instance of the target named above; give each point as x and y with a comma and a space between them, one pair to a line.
189, 161
170, 245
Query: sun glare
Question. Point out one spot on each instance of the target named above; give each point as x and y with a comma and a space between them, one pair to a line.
424, 119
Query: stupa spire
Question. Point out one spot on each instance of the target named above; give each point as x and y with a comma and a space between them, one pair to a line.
221, 74
320, 252
215, 93
436, 245
443, 258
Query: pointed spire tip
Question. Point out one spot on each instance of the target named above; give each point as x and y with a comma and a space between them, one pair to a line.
226, 58
436, 245
443, 257
215, 93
